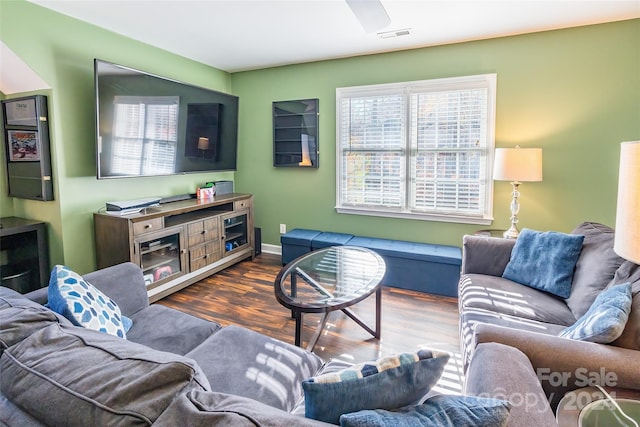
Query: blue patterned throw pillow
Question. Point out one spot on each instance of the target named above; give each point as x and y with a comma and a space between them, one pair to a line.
84, 305
437, 411
387, 383
606, 318
545, 261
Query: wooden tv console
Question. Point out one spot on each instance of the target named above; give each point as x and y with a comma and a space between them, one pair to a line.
179, 243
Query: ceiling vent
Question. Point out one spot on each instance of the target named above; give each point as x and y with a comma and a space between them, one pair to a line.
394, 33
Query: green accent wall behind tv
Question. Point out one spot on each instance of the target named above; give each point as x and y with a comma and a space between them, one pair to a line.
574, 92
61, 51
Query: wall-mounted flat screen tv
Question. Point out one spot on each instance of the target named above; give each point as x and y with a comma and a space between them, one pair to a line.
148, 125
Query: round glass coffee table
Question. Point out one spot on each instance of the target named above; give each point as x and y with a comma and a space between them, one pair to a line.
327, 280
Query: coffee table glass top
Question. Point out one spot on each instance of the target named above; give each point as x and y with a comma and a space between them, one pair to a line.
326, 279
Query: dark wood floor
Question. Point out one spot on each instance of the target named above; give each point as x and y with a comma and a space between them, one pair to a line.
243, 295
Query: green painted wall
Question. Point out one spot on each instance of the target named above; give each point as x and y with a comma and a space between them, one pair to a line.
574, 92
61, 51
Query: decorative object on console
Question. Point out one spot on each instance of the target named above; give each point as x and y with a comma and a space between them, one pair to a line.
517, 165
627, 240
223, 187
205, 192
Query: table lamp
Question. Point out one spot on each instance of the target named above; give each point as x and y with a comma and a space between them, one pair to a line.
517, 165
627, 240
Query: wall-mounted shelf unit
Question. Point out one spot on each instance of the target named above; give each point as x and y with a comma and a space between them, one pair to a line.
26, 131
295, 133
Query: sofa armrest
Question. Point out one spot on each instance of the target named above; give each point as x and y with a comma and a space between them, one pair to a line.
563, 365
504, 372
41, 296
485, 255
123, 283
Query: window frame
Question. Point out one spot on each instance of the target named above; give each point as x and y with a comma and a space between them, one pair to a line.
488, 81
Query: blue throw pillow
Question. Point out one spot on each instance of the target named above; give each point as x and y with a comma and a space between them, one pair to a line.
437, 411
387, 383
83, 304
545, 261
606, 318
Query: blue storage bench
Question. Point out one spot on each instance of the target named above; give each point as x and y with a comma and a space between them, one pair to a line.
423, 267
296, 242
326, 239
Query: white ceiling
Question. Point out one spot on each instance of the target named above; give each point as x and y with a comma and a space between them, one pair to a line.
236, 35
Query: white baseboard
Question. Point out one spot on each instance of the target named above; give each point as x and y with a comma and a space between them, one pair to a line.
271, 249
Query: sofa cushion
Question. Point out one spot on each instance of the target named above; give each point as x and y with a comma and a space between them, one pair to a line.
66, 375
595, 267
501, 295
606, 319
246, 363
544, 260
630, 337
21, 317
82, 303
207, 409
387, 383
184, 334
471, 317
437, 411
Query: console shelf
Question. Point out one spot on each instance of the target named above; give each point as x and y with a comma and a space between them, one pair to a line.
178, 243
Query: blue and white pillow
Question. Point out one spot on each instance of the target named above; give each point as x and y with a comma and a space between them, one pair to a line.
606, 318
387, 383
83, 304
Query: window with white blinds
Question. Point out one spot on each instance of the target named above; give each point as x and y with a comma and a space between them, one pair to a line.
417, 149
145, 135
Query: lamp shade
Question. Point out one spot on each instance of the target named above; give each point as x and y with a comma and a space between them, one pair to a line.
203, 143
518, 164
627, 240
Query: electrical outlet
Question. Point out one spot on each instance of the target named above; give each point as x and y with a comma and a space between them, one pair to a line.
283, 228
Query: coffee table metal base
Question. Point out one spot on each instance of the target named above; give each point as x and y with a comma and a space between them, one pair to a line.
297, 315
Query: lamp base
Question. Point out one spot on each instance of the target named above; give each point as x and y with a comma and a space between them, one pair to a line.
511, 233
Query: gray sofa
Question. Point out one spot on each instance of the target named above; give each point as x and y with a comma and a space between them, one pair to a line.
501, 321
173, 369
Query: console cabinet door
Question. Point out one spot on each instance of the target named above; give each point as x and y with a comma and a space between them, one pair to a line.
204, 243
236, 227
161, 255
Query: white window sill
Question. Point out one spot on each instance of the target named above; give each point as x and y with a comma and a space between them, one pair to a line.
417, 216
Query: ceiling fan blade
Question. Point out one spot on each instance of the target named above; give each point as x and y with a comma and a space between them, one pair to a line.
371, 14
